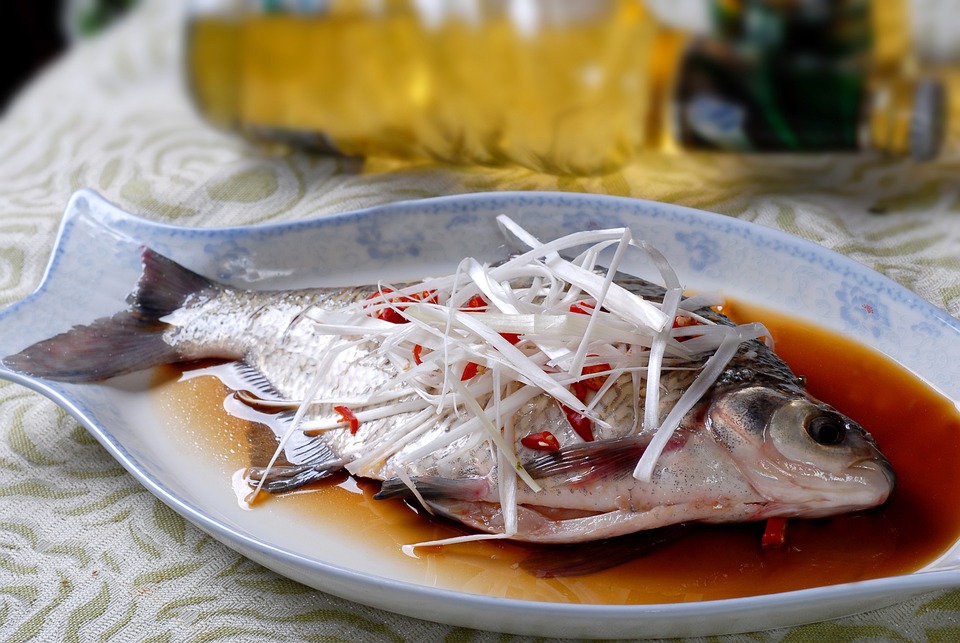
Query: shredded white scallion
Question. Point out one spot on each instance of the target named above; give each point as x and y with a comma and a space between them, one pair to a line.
544, 323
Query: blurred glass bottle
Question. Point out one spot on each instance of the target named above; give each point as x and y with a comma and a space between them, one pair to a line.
562, 86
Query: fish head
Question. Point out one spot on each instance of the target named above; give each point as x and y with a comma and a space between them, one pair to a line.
802, 456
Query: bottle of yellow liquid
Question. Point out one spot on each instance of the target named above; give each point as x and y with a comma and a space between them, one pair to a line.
561, 86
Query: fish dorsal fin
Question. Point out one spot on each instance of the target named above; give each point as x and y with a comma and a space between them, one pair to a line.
164, 285
586, 460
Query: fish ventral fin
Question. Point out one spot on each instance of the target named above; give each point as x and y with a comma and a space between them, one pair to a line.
129, 341
578, 559
433, 488
306, 459
289, 477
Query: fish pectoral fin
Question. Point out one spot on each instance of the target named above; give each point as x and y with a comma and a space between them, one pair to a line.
282, 478
254, 389
434, 488
589, 460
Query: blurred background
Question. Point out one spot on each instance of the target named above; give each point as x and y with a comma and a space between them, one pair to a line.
43, 29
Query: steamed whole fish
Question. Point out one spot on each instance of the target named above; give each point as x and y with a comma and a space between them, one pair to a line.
476, 402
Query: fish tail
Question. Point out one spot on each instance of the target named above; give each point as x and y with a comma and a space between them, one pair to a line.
129, 341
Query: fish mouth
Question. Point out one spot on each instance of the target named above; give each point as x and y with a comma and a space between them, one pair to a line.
864, 485
879, 470
870, 477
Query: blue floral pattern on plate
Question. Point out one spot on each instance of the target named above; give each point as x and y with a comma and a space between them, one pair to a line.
864, 311
701, 249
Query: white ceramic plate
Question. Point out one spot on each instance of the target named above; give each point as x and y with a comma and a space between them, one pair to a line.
98, 243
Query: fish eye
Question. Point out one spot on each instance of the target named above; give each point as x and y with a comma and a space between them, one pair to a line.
826, 430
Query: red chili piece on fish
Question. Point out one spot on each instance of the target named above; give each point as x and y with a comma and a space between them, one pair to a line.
580, 423
347, 416
580, 391
469, 371
594, 383
392, 314
774, 535
681, 321
543, 441
478, 303
583, 307
417, 350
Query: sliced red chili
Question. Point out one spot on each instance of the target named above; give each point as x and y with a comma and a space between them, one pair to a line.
347, 416
469, 371
417, 351
513, 338
595, 383
428, 296
392, 313
380, 313
681, 321
580, 423
581, 388
543, 441
584, 307
774, 534
580, 391
476, 304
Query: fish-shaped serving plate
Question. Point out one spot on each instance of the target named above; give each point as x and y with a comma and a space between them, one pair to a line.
96, 261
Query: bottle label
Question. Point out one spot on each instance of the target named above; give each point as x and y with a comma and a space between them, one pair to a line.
827, 30
306, 7
725, 100
717, 121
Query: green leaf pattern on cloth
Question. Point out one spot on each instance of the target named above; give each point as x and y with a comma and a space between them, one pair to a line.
87, 554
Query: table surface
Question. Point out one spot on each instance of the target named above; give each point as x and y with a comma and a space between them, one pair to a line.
88, 554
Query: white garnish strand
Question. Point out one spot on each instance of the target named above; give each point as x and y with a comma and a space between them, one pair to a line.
474, 347
298, 416
506, 472
456, 540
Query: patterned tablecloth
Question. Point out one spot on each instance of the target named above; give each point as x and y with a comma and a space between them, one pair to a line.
88, 554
